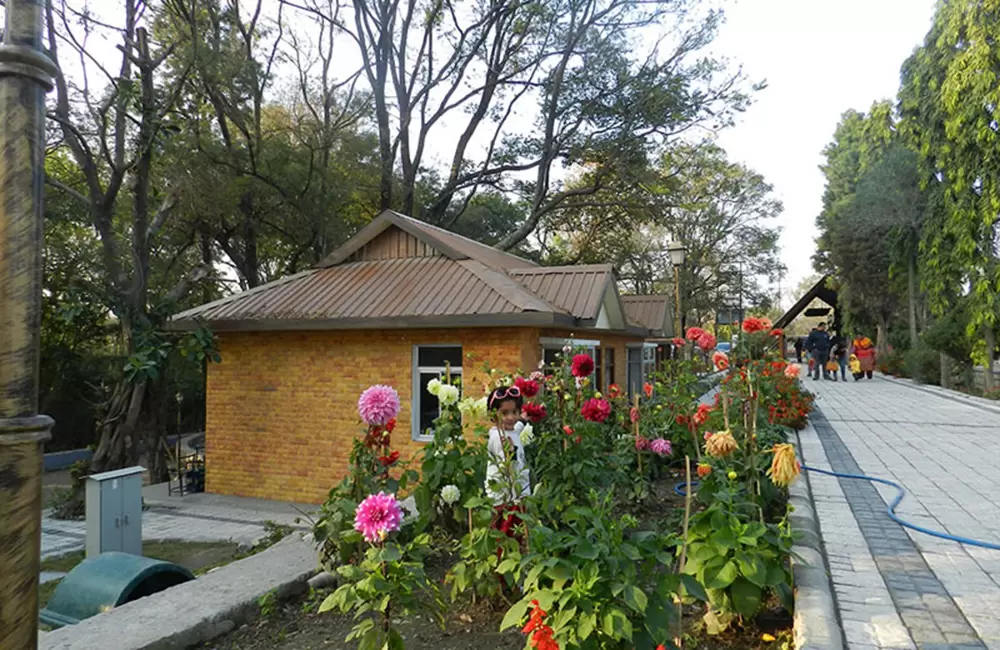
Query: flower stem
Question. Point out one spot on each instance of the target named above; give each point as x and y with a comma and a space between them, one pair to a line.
679, 639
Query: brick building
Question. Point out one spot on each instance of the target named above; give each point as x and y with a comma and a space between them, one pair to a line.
393, 305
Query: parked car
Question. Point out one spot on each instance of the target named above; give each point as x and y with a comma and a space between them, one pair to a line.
724, 346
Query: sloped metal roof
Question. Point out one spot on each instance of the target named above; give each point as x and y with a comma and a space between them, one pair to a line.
648, 311
577, 289
384, 289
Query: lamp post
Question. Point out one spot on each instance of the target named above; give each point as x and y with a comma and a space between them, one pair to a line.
25, 76
677, 252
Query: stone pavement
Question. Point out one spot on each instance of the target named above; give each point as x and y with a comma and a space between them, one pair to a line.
896, 588
194, 518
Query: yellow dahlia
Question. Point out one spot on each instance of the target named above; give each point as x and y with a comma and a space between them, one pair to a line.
784, 467
720, 444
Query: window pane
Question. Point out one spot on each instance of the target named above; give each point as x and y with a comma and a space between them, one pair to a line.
609, 355
599, 369
428, 408
550, 356
437, 356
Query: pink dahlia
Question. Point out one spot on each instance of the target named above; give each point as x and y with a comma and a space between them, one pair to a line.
377, 516
706, 341
583, 365
660, 447
792, 370
694, 333
595, 410
378, 404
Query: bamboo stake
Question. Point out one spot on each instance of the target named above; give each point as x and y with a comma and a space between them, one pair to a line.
635, 428
679, 640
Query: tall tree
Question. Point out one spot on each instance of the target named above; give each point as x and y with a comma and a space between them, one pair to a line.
111, 131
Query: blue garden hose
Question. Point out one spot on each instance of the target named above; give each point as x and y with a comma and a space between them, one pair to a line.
890, 510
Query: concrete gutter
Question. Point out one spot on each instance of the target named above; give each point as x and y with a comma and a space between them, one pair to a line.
816, 625
196, 611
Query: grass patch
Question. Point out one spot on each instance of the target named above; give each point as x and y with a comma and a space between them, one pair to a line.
45, 592
192, 555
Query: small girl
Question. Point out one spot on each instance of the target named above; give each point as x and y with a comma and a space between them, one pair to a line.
855, 365
507, 475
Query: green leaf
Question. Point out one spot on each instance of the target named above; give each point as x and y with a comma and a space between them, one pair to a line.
746, 597
722, 577
723, 540
754, 569
694, 588
776, 575
328, 603
395, 641
586, 550
515, 614
586, 625
636, 599
631, 552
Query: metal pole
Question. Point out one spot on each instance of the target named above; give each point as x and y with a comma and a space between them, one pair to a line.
25, 76
678, 323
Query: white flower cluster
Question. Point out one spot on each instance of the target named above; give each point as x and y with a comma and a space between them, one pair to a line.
527, 435
446, 393
450, 494
473, 408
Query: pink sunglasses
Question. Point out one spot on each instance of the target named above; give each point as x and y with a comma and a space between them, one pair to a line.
501, 395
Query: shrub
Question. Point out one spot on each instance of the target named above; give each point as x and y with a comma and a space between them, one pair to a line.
924, 364
893, 364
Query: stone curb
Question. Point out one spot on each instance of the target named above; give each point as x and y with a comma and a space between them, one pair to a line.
816, 625
953, 395
196, 611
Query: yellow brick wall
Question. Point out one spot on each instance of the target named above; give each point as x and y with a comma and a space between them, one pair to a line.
282, 406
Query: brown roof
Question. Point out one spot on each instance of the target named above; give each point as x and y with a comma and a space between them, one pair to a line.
650, 312
399, 272
450, 244
577, 289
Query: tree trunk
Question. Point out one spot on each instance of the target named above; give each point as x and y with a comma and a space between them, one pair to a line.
911, 278
945, 370
882, 337
991, 345
119, 430
153, 429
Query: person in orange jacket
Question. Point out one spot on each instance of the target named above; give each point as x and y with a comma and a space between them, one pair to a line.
864, 350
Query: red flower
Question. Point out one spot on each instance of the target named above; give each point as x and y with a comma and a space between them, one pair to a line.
678, 342
389, 460
595, 410
681, 420
541, 634
777, 332
694, 333
721, 361
528, 387
752, 325
701, 416
390, 425
534, 412
704, 470
577, 440
583, 365
614, 390
633, 414
568, 430
641, 443
706, 341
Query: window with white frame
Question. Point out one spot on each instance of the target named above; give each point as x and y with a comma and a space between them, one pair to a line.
431, 362
552, 349
640, 365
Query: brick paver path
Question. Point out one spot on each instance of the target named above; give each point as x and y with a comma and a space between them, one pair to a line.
897, 588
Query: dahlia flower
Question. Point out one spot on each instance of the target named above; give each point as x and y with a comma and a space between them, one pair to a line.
785, 467
720, 360
641, 443
595, 410
678, 342
377, 516
448, 394
450, 494
647, 390
751, 325
434, 386
701, 415
528, 387
694, 333
777, 332
706, 341
792, 370
473, 408
660, 447
527, 434
721, 444
534, 412
704, 470
614, 390
378, 404
582, 366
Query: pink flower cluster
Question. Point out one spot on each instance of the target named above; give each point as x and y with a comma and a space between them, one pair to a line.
660, 447
377, 516
378, 404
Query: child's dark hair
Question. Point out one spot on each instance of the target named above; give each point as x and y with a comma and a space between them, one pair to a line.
505, 394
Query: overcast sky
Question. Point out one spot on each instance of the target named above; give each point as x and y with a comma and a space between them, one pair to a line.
820, 58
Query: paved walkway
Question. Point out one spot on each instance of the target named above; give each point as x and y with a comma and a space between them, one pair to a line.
897, 588
194, 518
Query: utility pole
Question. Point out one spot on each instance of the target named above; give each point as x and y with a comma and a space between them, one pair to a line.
26, 74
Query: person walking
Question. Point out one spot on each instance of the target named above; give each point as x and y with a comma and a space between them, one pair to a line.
838, 353
818, 344
798, 349
864, 350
